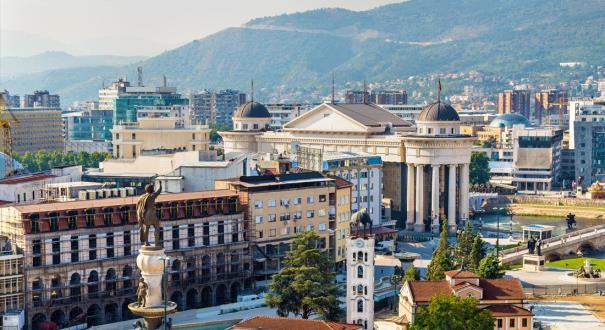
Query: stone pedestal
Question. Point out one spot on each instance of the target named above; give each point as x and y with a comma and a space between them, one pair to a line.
533, 262
151, 262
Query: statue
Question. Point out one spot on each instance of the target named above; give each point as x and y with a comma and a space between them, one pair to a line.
571, 220
146, 214
539, 247
142, 293
531, 245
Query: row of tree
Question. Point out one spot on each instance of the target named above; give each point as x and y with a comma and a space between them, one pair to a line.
43, 160
469, 253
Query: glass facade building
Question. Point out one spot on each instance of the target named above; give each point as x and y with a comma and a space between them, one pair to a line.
89, 125
126, 106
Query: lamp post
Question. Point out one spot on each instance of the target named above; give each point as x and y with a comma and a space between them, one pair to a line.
165, 287
395, 280
498, 210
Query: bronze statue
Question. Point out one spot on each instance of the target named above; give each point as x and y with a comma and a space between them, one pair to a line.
146, 214
142, 293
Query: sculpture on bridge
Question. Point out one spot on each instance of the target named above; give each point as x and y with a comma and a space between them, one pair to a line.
571, 220
531, 245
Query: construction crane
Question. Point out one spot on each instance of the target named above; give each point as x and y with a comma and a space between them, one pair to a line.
563, 103
6, 119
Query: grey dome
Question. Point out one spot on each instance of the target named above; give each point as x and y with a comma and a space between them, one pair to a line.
252, 110
509, 119
438, 111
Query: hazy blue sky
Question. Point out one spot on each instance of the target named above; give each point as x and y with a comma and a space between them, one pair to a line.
135, 27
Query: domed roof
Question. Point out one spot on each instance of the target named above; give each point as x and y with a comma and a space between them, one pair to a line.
438, 111
252, 110
509, 119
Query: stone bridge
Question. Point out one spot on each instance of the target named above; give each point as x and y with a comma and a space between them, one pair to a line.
584, 240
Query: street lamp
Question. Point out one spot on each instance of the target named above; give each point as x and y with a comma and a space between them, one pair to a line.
395, 280
165, 260
498, 210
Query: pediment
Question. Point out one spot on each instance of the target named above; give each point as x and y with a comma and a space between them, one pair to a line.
325, 119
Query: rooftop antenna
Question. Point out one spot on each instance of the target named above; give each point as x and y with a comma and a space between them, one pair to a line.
164, 80
252, 90
439, 91
332, 87
140, 76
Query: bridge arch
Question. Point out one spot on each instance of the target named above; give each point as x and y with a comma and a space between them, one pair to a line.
552, 256
587, 248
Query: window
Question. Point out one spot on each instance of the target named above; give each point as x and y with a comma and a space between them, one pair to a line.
310, 200
272, 217
258, 204
322, 212
310, 214
193, 136
322, 198
72, 220
524, 322
127, 243
272, 233
92, 246
499, 323
283, 202
511, 322
309, 227
284, 217
134, 136
109, 244
297, 201
359, 271
56, 248
297, 215
322, 227
260, 234
360, 306
442, 130
259, 219
430, 131
90, 218
54, 221
75, 256
271, 203
363, 174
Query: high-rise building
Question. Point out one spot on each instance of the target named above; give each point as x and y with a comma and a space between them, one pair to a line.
108, 95
88, 125
216, 107
357, 97
549, 103
39, 128
389, 97
514, 101
536, 157
41, 99
135, 98
283, 113
227, 101
589, 131
12, 101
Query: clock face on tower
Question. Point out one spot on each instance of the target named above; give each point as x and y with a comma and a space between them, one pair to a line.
359, 243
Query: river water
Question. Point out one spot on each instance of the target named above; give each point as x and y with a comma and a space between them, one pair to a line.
490, 223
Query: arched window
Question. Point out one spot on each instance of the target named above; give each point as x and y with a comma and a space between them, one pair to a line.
359, 256
359, 272
359, 289
365, 257
360, 306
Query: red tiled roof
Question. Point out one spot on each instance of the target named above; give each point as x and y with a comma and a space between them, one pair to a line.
497, 289
508, 310
502, 289
287, 323
27, 178
383, 231
458, 273
3, 202
464, 284
106, 202
423, 291
340, 182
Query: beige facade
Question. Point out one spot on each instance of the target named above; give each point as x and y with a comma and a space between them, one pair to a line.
36, 129
156, 136
11, 283
343, 219
282, 206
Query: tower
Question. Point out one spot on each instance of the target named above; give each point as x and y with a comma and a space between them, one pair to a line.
360, 271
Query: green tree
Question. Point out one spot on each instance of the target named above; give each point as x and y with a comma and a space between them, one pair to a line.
441, 259
489, 143
489, 267
43, 160
449, 312
214, 129
464, 245
411, 274
306, 285
477, 253
479, 168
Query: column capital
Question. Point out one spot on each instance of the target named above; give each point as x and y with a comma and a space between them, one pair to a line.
453, 165
435, 165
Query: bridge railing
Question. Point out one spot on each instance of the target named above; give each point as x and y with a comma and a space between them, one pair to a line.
568, 237
565, 289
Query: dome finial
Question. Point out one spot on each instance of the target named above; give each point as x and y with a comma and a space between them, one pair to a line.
252, 90
439, 91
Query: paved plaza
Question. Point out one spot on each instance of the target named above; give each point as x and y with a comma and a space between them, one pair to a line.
565, 315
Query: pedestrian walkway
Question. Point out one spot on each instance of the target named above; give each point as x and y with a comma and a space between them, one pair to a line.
566, 315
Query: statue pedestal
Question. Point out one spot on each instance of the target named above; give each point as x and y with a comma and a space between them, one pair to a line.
533, 262
151, 262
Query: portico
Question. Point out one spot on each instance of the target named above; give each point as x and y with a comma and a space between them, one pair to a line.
438, 159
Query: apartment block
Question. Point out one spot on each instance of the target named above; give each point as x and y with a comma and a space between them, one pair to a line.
79, 256
41, 99
39, 128
514, 101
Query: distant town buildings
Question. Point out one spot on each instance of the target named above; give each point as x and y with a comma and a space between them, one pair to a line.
377, 97
41, 99
548, 104
409, 112
515, 101
12, 101
283, 113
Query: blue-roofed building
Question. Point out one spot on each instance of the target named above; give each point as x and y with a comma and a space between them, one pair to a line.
508, 120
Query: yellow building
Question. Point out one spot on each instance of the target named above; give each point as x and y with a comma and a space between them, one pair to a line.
343, 219
36, 129
283, 205
11, 282
158, 136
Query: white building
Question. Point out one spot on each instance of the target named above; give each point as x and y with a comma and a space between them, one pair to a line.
438, 159
29, 188
283, 113
181, 171
409, 112
360, 276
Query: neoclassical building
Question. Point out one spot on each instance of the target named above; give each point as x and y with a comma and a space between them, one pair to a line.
438, 159
368, 128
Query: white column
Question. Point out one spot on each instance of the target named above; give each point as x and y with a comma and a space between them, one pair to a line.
410, 197
419, 226
451, 200
435, 199
464, 200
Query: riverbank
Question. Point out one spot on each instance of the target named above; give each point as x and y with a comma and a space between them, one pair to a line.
558, 211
